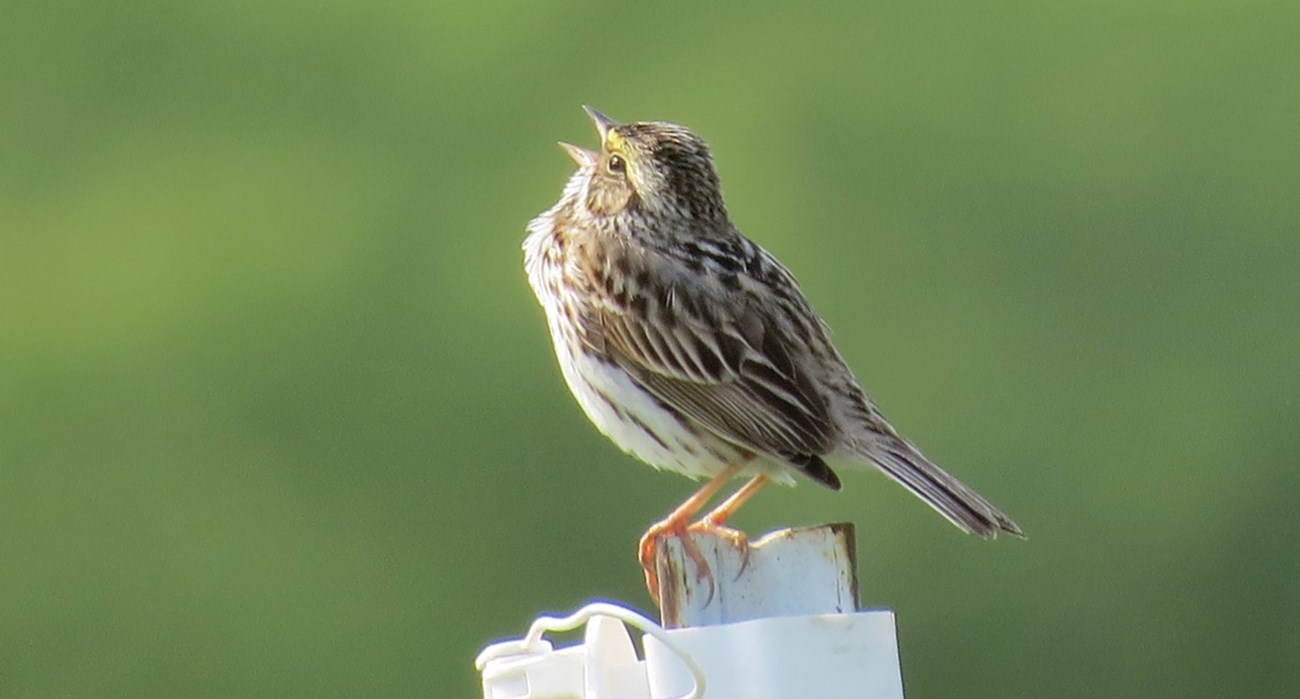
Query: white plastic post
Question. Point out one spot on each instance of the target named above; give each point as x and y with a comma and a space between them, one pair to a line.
779, 621
784, 628
824, 656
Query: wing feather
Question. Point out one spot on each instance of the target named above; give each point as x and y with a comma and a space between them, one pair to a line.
732, 372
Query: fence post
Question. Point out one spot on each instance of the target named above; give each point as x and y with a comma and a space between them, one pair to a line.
789, 572
780, 622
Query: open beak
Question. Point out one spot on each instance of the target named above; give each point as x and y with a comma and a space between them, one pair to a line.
602, 122
580, 155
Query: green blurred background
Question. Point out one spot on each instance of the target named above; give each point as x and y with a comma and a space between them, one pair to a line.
279, 416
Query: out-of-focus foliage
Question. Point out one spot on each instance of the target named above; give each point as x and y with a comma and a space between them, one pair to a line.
278, 414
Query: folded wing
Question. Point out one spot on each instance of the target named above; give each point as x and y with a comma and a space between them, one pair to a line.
727, 368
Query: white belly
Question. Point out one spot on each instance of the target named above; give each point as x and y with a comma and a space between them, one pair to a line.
636, 423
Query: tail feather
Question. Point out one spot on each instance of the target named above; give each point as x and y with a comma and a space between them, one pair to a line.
950, 497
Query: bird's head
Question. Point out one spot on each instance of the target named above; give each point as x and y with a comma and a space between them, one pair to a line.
647, 169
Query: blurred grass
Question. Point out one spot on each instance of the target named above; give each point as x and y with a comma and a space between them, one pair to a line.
278, 416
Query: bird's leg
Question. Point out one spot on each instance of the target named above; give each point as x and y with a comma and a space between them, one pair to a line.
676, 524
714, 522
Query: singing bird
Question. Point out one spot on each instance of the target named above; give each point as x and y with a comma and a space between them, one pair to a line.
693, 348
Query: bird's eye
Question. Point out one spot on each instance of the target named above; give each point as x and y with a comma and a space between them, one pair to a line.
616, 164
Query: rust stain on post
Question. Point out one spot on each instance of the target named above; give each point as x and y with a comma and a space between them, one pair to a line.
672, 581
847, 535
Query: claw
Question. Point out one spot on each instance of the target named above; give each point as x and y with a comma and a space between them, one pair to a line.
675, 525
649, 544
735, 537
